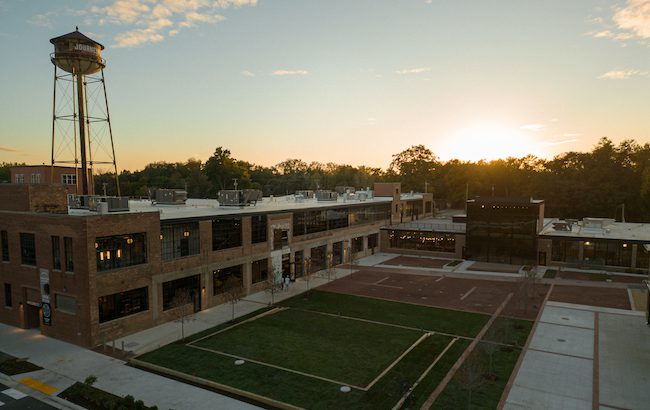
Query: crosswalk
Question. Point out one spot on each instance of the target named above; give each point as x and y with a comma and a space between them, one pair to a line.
11, 399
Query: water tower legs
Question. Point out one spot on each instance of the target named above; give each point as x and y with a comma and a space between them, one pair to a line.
82, 134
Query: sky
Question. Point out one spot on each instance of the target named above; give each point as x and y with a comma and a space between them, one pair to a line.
350, 82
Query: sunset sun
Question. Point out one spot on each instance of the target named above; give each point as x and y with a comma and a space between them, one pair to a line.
486, 142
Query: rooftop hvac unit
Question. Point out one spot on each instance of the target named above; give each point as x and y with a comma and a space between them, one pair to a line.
307, 194
341, 189
561, 226
101, 204
326, 196
168, 196
239, 197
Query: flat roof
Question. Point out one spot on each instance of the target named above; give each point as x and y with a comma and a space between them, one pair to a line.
599, 228
206, 208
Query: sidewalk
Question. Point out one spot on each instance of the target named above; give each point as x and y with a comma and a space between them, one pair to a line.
64, 363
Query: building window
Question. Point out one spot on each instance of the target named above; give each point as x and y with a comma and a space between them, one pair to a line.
179, 240
337, 218
69, 179
258, 228
8, 300
56, 253
123, 304
67, 250
423, 241
36, 178
173, 288
221, 276
373, 241
427, 207
299, 263
280, 239
260, 270
4, 246
66, 304
309, 222
357, 244
20, 178
27, 249
226, 233
120, 251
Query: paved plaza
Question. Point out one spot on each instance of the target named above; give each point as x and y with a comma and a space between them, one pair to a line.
584, 357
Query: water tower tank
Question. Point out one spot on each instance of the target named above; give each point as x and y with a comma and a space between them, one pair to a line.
77, 54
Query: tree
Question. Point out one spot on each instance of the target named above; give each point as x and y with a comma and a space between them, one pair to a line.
232, 292
490, 347
221, 169
183, 306
273, 285
470, 376
414, 166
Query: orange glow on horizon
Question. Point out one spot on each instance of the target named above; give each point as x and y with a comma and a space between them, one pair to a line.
488, 143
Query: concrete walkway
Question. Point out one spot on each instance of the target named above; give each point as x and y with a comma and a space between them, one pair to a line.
64, 363
584, 357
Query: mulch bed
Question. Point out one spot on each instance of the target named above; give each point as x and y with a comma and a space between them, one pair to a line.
417, 262
601, 277
494, 267
592, 296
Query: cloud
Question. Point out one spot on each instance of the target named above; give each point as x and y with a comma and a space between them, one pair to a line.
247, 73
289, 72
635, 18
623, 74
532, 127
7, 149
630, 22
150, 21
418, 70
194, 17
571, 135
41, 20
137, 37
559, 142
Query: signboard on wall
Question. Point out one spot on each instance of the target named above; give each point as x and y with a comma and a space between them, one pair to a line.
46, 309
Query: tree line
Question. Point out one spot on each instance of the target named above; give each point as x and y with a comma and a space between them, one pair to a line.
599, 183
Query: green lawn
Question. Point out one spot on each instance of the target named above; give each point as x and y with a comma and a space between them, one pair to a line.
333, 347
422, 317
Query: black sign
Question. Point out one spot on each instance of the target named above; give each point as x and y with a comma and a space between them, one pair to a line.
47, 314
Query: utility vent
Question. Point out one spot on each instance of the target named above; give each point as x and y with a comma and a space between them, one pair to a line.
239, 197
168, 196
101, 204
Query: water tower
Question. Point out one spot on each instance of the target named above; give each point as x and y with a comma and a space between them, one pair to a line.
81, 125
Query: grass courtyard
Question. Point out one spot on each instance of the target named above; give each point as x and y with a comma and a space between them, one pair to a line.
304, 350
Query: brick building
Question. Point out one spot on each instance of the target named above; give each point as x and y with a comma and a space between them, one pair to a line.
93, 269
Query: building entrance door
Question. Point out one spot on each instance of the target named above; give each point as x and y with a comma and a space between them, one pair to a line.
32, 316
541, 260
196, 299
337, 253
